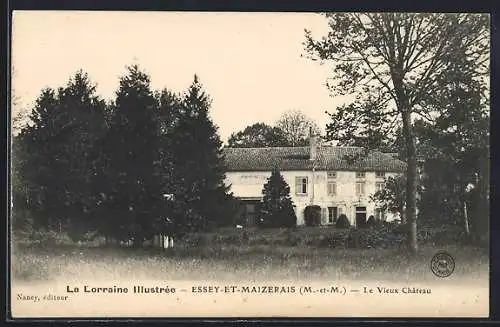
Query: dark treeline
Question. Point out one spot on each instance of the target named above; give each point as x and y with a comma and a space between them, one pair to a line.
148, 162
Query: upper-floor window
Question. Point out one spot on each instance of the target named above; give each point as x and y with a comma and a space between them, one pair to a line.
300, 185
331, 174
379, 174
332, 188
360, 174
360, 188
379, 186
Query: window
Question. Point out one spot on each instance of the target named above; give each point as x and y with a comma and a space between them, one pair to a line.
331, 174
380, 174
332, 215
332, 188
379, 214
360, 188
379, 186
301, 185
323, 215
360, 174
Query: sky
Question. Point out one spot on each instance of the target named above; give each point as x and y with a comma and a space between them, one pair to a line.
249, 63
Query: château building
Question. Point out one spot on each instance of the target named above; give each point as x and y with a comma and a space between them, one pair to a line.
338, 179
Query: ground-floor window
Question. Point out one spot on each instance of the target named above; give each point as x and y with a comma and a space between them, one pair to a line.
323, 215
332, 215
380, 214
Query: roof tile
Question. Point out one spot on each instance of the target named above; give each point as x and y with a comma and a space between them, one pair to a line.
297, 158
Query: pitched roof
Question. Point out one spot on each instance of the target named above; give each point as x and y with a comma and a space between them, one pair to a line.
297, 158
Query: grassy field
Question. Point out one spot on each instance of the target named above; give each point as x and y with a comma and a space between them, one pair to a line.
31, 263
263, 257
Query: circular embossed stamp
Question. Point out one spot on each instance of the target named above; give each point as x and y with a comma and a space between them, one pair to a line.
442, 264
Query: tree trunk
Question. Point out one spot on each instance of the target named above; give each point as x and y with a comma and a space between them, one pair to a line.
482, 209
411, 182
466, 219
403, 215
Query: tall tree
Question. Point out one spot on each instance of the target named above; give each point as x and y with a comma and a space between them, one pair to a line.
88, 125
56, 157
133, 190
277, 206
258, 135
398, 59
297, 127
459, 142
170, 109
19, 114
201, 197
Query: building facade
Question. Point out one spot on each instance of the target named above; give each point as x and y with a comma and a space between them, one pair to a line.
338, 179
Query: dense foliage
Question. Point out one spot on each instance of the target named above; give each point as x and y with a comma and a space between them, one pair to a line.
258, 135
293, 128
148, 162
399, 66
342, 222
55, 165
312, 215
276, 209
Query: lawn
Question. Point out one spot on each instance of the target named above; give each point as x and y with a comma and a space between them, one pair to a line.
265, 259
240, 262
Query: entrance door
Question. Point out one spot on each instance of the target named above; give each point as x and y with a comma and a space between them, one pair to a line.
250, 214
360, 217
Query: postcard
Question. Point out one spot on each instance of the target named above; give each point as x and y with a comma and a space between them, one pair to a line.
249, 164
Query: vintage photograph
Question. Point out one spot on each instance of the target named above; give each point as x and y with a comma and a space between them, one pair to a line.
249, 164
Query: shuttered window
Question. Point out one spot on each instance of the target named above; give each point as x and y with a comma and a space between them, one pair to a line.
332, 188
360, 188
323, 216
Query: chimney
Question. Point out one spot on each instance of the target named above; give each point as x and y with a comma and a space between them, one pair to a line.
313, 145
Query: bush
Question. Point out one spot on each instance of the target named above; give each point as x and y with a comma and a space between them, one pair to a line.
284, 218
293, 240
337, 239
196, 240
358, 238
44, 236
312, 215
441, 235
371, 222
288, 218
377, 237
342, 222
